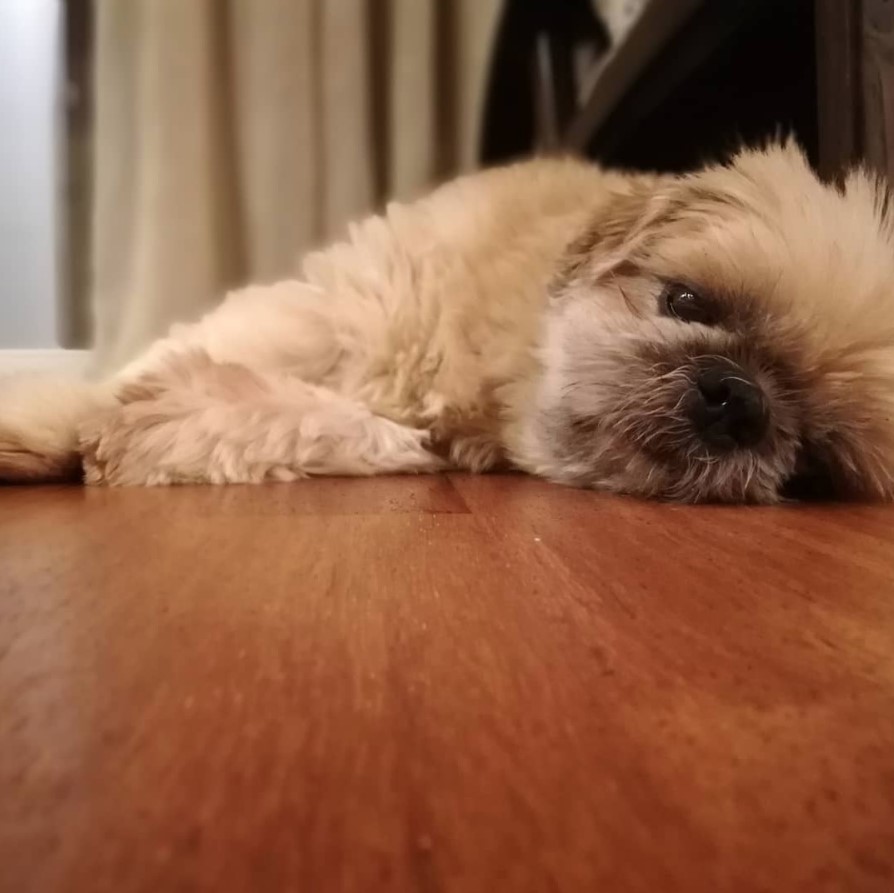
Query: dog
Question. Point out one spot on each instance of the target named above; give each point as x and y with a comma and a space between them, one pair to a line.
725, 335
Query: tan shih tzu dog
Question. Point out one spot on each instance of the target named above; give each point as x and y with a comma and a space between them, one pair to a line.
726, 335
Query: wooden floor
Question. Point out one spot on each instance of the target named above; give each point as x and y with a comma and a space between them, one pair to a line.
444, 685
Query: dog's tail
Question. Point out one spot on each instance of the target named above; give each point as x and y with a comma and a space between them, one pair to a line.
39, 421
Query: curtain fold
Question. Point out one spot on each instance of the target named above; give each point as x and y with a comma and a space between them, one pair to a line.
231, 136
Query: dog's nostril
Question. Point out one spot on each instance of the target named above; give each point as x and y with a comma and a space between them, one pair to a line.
714, 387
730, 409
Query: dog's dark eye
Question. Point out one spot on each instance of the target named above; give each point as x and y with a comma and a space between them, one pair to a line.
681, 302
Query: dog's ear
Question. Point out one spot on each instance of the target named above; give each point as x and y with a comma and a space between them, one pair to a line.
621, 229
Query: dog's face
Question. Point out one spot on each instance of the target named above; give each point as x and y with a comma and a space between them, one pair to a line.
726, 336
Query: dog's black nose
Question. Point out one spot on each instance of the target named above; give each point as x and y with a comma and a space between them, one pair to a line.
729, 408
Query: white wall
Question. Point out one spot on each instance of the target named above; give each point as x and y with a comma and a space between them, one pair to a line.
30, 63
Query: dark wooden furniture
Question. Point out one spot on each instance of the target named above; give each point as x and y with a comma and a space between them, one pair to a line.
855, 53
534, 81
695, 78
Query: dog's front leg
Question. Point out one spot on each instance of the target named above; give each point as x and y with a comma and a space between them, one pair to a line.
198, 421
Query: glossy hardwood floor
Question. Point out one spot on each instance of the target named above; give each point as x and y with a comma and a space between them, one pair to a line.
445, 685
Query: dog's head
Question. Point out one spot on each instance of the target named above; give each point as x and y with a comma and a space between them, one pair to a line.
727, 335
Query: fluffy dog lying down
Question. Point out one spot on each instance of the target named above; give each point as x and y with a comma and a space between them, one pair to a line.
727, 335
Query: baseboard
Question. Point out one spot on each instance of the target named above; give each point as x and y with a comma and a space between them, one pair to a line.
57, 361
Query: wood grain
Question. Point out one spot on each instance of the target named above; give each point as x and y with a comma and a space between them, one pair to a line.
442, 684
878, 84
840, 90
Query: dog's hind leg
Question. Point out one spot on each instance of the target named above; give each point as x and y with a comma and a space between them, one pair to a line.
197, 421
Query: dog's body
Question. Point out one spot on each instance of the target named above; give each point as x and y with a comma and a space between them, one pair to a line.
693, 338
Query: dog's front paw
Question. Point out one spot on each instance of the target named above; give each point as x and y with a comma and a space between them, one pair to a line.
122, 446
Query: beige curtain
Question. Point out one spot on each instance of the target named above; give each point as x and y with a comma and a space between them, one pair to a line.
232, 135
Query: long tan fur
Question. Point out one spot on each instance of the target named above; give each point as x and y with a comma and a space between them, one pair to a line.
513, 318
